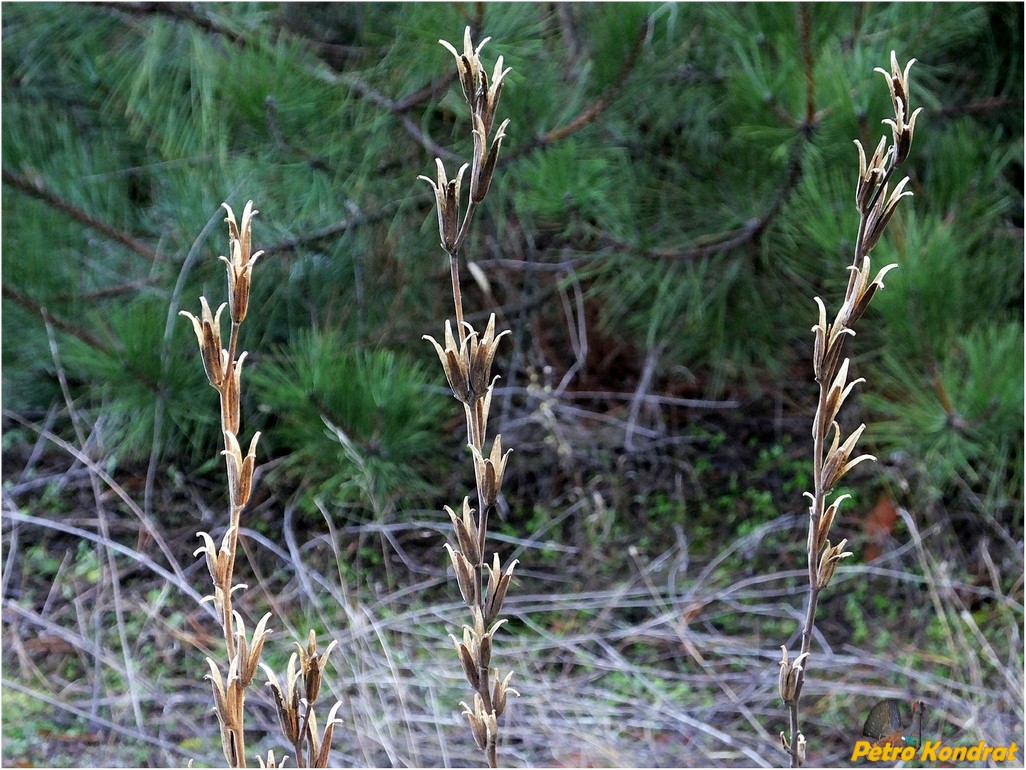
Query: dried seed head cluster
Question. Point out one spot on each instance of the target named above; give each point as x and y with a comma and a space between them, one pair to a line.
230, 690
876, 207
302, 685
466, 358
223, 370
876, 204
224, 373
483, 97
468, 364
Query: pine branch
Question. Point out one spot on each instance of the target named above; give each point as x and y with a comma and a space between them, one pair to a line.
36, 190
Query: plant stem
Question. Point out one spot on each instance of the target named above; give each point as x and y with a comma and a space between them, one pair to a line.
457, 295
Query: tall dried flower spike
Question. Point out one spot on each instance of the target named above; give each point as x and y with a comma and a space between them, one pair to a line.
876, 204
467, 365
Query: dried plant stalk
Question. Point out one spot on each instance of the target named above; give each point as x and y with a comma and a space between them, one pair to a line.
467, 361
875, 204
224, 373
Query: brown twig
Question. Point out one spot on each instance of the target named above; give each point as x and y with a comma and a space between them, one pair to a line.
595, 109
721, 243
36, 190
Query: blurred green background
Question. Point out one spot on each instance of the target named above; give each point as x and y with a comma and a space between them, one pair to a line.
676, 185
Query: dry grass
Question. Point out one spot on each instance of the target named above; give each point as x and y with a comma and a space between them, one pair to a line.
674, 665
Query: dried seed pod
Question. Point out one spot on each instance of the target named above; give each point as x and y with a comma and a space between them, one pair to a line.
828, 562
447, 204
790, 672
286, 700
489, 472
240, 469
484, 163
871, 173
465, 575
321, 754
476, 718
467, 535
903, 126
498, 585
500, 692
482, 353
882, 212
208, 334
456, 364
471, 669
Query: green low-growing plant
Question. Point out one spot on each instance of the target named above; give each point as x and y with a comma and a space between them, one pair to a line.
832, 457
318, 392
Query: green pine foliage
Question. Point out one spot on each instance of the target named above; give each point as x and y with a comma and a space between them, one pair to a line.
691, 163
353, 426
137, 383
